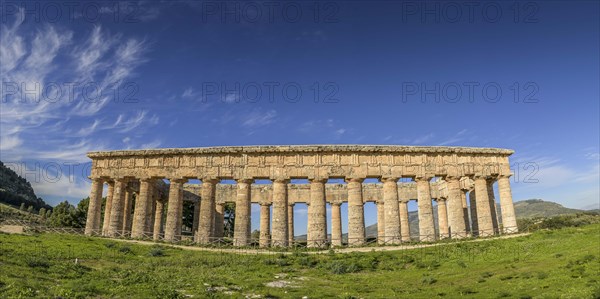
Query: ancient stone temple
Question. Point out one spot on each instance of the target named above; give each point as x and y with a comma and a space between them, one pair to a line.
139, 196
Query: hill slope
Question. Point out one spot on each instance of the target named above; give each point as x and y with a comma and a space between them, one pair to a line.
15, 190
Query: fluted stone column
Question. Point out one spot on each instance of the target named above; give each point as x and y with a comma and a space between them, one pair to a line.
404, 221
473, 209
219, 220
484, 214
174, 211
92, 224
116, 211
392, 212
152, 195
509, 220
356, 215
336, 224
317, 214
265, 221
493, 206
158, 220
290, 221
241, 233
196, 217
279, 233
127, 217
426, 226
142, 202
442, 218
456, 221
207, 209
108, 207
380, 222
463, 200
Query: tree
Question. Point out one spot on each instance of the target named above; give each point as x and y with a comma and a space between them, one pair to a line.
42, 213
65, 214
255, 235
229, 215
48, 214
30, 209
22, 208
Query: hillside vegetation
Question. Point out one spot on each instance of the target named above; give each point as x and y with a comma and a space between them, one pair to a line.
561, 263
15, 190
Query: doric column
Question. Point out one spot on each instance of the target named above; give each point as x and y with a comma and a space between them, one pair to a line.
392, 213
484, 214
108, 207
279, 232
404, 221
128, 207
116, 211
473, 209
426, 226
356, 216
158, 219
142, 202
241, 233
265, 220
442, 218
509, 220
219, 220
456, 221
196, 217
290, 221
317, 214
92, 223
463, 200
380, 222
174, 210
336, 224
493, 206
152, 195
207, 208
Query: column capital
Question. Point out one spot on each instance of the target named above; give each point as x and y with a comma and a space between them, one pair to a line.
245, 181
440, 199
389, 179
480, 177
291, 204
177, 180
335, 204
451, 178
281, 180
146, 179
209, 180
505, 176
318, 180
354, 180
404, 201
265, 204
420, 178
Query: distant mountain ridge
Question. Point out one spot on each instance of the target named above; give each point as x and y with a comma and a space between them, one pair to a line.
15, 190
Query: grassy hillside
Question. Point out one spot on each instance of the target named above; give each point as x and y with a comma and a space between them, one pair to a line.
538, 208
15, 190
561, 263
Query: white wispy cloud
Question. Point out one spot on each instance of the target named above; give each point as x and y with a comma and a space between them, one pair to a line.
258, 118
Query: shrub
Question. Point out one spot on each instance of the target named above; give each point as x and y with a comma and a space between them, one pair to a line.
125, 249
156, 251
340, 267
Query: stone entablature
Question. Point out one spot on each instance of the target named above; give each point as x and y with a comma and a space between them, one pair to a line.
314, 161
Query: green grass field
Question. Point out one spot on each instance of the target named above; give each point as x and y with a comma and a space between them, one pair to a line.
562, 263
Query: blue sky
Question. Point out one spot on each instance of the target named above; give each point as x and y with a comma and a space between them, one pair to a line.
191, 74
